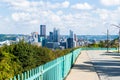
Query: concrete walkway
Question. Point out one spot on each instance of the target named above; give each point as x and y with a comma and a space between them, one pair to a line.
107, 65
82, 70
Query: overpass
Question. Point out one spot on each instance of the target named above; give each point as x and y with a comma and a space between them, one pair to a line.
57, 69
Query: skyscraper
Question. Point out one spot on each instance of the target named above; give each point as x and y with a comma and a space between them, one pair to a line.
70, 40
43, 30
56, 35
51, 36
71, 34
70, 43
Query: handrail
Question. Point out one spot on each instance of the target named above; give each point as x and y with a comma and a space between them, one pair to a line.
57, 69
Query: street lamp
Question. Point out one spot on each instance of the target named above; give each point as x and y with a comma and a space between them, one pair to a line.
107, 37
118, 26
107, 40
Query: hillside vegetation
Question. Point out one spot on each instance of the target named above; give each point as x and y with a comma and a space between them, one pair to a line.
20, 57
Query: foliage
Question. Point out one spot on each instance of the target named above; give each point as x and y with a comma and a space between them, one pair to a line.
110, 44
9, 65
22, 56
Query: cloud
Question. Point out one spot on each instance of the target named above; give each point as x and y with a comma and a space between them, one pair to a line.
110, 2
21, 3
34, 22
84, 6
103, 13
20, 16
110, 16
59, 12
65, 4
29, 5
27, 17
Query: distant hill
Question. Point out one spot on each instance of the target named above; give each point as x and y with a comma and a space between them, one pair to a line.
4, 37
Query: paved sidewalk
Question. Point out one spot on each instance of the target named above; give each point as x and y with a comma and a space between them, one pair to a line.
83, 69
107, 65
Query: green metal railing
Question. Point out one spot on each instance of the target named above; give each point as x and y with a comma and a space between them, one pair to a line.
98, 48
57, 69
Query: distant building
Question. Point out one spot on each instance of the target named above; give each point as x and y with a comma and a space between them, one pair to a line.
43, 41
64, 44
70, 43
51, 37
53, 45
50, 45
56, 35
75, 37
71, 34
34, 36
43, 30
70, 40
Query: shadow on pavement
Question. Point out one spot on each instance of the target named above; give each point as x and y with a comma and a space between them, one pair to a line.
111, 54
84, 67
107, 67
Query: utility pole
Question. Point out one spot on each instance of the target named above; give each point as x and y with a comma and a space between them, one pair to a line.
119, 41
107, 40
118, 26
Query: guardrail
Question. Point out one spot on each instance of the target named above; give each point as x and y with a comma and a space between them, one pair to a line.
53, 70
57, 69
99, 48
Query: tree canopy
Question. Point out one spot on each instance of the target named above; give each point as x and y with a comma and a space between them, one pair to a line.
20, 57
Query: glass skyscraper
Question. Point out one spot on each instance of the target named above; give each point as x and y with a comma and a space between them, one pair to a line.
56, 35
43, 30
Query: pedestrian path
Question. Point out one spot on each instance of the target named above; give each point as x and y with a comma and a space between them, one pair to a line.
82, 69
107, 65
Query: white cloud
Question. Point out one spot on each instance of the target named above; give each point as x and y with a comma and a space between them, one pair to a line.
20, 16
34, 22
110, 2
103, 13
65, 4
21, 3
84, 6
55, 18
108, 15
31, 14
59, 12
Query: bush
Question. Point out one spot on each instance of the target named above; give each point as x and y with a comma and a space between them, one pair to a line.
21, 57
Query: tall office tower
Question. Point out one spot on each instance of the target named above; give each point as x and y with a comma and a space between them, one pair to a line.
56, 35
70, 43
43, 30
71, 34
51, 36
75, 37
70, 40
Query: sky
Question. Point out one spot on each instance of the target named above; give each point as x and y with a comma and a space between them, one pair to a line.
83, 17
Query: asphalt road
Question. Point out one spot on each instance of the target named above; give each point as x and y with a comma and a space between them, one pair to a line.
107, 65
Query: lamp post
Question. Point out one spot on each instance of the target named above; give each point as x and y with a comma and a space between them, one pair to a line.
118, 26
107, 40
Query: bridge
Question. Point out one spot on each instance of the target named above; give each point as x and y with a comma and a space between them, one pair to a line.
90, 64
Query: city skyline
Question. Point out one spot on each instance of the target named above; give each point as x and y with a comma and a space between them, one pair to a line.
81, 16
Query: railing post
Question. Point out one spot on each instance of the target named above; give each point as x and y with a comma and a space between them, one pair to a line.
63, 71
24, 75
18, 77
14, 77
42, 73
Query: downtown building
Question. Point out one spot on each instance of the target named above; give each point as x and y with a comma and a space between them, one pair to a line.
43, 30
42, 36
72, 40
